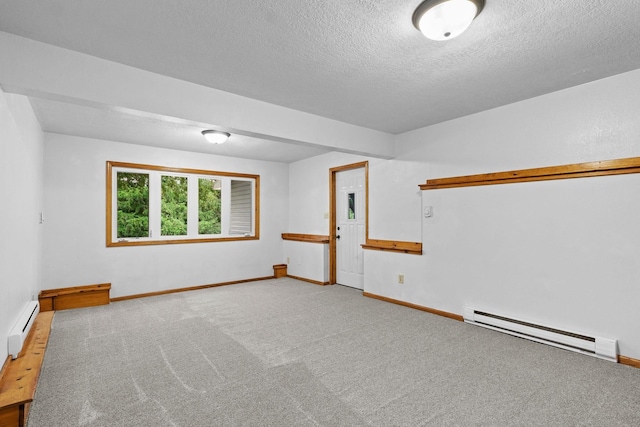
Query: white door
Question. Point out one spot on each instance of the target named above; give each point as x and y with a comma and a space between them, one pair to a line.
351, 227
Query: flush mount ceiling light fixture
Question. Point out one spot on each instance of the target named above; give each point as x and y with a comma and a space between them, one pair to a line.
215, 136
445, 19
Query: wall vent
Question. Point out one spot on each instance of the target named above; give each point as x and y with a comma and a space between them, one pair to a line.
603, 348
19, 333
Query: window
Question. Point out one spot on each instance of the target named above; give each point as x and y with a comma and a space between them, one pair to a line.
133, 204
151, 205
240, 207
351, 214
174, 205
209, 190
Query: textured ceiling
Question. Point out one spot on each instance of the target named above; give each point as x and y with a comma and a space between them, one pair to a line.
360, 62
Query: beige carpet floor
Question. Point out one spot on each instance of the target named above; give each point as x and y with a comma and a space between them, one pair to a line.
287, 353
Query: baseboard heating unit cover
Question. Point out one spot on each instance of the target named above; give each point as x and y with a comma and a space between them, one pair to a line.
19, 333
603, 348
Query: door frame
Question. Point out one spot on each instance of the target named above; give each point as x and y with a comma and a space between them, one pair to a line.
332, 211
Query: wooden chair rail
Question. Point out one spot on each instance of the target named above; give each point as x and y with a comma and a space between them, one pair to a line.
309, 238
18, 383
577, 170
414, 248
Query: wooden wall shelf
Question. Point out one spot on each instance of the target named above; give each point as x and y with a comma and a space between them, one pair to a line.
577, 170
414, 248
309, 238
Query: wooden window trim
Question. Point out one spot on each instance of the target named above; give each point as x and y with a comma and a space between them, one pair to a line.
109, 205
576, 170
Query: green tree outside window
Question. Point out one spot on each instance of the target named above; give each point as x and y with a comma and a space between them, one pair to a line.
133, 204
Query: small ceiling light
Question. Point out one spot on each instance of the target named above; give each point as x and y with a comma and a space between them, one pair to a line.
445, 19
215, 136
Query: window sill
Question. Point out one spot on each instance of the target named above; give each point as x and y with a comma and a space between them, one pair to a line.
120, 243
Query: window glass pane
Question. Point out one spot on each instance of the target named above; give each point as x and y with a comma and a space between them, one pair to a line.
352, 205
173, 215
241, 207
133, 204
209, 204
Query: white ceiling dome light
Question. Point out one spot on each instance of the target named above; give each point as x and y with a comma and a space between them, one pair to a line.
445, 19
215, 136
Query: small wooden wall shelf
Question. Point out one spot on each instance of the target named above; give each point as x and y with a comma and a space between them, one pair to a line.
414, 248
74, 297
577, 170
309, 238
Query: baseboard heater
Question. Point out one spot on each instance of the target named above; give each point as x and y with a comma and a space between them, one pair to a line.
20, 331
603, 348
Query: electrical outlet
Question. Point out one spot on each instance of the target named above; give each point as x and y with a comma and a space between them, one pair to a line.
288, 260
401, 278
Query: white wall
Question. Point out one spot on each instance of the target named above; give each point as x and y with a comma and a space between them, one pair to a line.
307, 260
74, 243
563, 253
20, 207
309, 190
